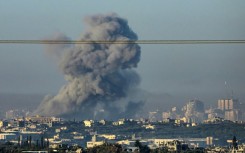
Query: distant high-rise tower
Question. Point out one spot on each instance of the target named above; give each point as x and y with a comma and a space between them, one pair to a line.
195, 106
209, 140
194, 111
153, 116
233, 115
231, 109
228, 104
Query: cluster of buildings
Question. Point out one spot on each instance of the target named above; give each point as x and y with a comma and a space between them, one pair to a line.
231, 109
15, 113
20, 128
55, 133
194, 112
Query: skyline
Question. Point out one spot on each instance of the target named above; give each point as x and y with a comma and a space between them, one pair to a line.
189, 71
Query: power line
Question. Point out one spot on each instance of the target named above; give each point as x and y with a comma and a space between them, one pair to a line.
122, 42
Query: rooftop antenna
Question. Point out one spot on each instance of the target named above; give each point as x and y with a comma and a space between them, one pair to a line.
228, 88
232, 94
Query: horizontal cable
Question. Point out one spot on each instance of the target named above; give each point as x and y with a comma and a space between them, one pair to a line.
122, 42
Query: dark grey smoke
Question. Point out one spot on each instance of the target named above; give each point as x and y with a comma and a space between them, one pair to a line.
98, 75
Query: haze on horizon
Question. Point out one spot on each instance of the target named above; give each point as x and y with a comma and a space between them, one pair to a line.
170, 74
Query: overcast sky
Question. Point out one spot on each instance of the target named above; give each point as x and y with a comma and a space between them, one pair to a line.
195, 71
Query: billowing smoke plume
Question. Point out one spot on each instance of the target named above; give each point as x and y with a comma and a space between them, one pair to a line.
99, 76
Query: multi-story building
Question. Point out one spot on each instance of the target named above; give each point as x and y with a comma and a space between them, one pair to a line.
228, 104
42, 119
194, 111
165, 115
93, 143
194, 106
233, 115
10, 114
153, 116
162, 142
108, 136
87, 123
209, 141
7, 136
230, 108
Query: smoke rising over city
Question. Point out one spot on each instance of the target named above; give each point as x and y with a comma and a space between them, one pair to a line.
99, 76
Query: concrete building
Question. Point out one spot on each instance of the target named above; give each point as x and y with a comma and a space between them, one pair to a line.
233, 115
228, 104
7, 136
153, 116
195, 106
87, 123
10, 114
174, 146
162, 142
194, 111
165, 115
42, 119
149, 126
103, 122
108, 136
93, 143
126, 142
209, 141
119, 122
1, 124
231, 109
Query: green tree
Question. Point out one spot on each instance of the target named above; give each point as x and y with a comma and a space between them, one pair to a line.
142, 148
234, 142
105, 148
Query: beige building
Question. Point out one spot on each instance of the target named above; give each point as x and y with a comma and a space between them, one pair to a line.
42, 119
1, 124
209, 140
231, 109
103, 122
194, 111
165, 115
93, 143
174, 146
149, 126
119, 122
87, 123
232, 115
7, 136
162, 142
126, 142
228, 104
108, 136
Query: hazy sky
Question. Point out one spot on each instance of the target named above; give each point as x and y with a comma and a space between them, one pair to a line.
191, 70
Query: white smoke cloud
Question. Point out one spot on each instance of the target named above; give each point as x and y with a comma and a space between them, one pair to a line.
97, 74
